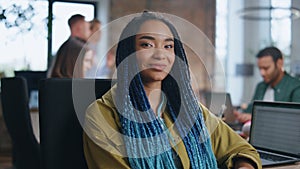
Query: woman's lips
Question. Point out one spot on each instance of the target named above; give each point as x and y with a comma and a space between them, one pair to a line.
159, 67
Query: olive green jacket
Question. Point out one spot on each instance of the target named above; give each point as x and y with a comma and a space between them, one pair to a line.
104, 146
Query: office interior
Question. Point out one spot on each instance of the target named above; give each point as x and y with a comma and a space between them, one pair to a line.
222, 61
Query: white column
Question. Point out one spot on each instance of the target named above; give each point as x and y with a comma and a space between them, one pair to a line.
235, 50
295, 50
257, 35
246, 38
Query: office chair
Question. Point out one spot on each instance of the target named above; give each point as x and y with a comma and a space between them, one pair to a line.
61, 134
32, 78
26, 149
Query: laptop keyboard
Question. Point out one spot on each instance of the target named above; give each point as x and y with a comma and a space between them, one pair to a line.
272, 157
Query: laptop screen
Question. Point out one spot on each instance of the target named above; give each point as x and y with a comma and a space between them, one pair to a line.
219, 103
276, 126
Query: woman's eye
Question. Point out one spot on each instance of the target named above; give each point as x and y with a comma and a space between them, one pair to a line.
146, 45
169, 46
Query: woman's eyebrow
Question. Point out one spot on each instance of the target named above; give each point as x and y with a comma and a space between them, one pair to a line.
147, 37
152, 38
169, 39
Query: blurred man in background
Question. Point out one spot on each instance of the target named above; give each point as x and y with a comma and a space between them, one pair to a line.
80, 33
277, 84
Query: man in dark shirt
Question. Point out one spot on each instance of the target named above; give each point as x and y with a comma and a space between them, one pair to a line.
79, 27
80, 33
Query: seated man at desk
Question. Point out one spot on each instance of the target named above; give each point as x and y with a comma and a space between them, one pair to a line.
277, 85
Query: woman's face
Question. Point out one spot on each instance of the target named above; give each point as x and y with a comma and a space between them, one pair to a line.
87, 61
96, 33
154, 50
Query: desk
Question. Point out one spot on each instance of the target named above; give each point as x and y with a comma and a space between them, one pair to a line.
290, 166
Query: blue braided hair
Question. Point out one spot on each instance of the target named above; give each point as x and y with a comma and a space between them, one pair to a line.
147, 142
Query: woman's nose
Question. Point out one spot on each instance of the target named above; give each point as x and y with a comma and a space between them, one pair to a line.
159, 53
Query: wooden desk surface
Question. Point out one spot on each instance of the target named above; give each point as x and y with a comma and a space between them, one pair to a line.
290, 166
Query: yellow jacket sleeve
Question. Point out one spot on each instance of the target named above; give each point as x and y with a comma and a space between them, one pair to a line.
227, 144
103, 148
98, 158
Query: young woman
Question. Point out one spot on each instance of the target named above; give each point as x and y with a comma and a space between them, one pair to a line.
151, 117
73, 60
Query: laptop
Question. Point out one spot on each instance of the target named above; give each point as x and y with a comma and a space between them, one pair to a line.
219, 103
275, 132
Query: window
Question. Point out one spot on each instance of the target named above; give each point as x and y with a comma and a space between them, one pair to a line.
62, 11
281, 35
24, 32
221, 30
23, 27
221, 43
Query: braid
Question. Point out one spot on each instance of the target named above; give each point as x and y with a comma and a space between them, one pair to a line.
146, 142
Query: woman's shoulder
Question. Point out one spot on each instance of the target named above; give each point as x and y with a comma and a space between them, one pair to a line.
206, 113
103, 111
102, 125
211, 121
106, 100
